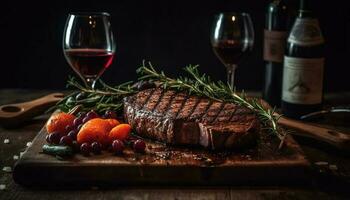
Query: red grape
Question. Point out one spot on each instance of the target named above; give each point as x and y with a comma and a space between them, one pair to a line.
66, 140
77, 121
92, 114
72, 134
109, 114
118, 147
85, 149
55, 137
86, 119
79, 127
139, 146
96, 147
69, 128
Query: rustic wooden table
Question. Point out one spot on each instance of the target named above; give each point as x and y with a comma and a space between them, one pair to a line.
331, 177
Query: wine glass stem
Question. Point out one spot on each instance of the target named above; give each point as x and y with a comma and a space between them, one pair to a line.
231, 68
90, 82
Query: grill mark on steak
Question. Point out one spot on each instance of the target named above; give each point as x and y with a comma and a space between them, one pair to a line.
147, 98
226, 113
139, 99
212, 111
137, 102
166, 102
170, 103
194, 108
189, 107
232, 115
162, 128
160, 98
169, 117
175, 105
241, 112
203, 105
182, 105
206, 109
144, 116
201, 109
218, 113
153, 100
167, 107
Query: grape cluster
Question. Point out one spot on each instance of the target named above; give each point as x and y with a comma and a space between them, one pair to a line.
69, 137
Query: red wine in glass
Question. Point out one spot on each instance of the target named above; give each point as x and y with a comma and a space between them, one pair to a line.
232, 37
88, 44
229, 52
90, 63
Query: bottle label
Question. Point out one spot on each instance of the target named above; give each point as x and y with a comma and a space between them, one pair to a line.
306, 32
274, 44
302, 80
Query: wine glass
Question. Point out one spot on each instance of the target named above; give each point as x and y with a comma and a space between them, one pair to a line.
232, 38
88, 44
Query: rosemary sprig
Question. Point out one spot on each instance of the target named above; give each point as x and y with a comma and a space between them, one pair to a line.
202, 85
105, 98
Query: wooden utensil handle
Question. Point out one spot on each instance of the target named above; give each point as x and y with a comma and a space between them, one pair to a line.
16, 113
333, 137
41, 104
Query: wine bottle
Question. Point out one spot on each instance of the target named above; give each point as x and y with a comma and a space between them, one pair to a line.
275, 36
302, 88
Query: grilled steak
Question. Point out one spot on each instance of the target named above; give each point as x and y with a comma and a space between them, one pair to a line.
181, 119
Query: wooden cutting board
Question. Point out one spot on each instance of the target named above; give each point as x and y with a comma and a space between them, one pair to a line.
161, 165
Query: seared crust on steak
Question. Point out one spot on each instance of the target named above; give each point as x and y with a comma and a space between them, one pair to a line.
181, 119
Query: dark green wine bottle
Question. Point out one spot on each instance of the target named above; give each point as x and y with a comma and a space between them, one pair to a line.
302, 88
275, 36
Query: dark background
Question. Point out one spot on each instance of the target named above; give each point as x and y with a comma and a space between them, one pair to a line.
171, 34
